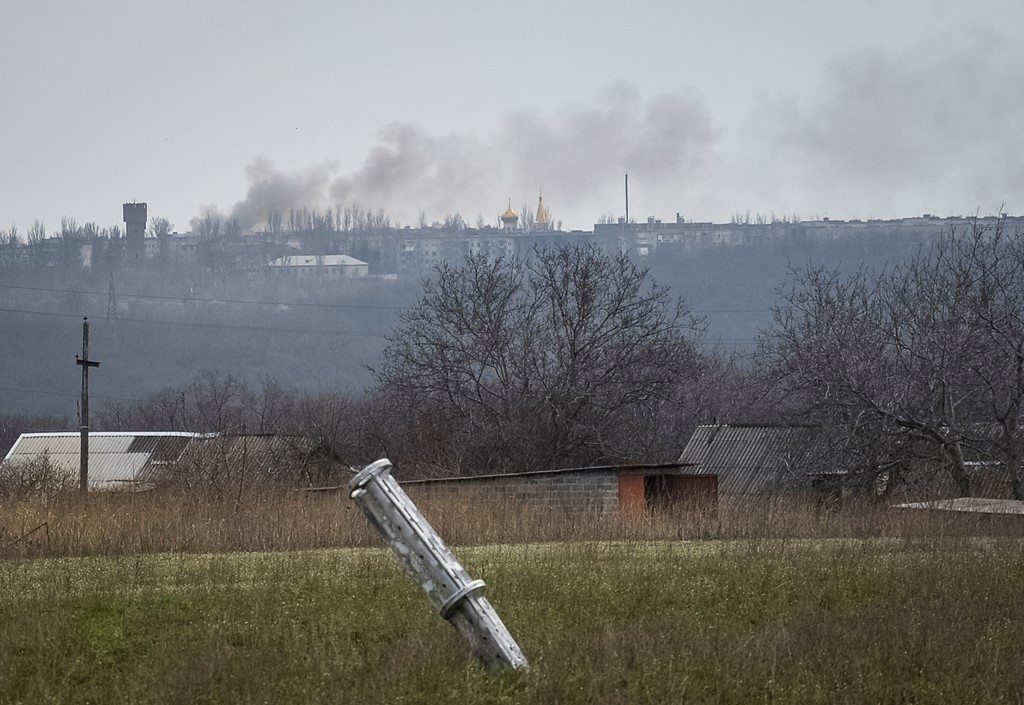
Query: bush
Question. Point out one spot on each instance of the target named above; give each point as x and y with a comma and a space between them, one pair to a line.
38, 476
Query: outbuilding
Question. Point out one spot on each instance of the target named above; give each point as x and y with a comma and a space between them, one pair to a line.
117, 460
603, 489
138, 460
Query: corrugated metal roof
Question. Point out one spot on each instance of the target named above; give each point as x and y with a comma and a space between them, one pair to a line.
263, 457
754, 459
116, 459
141, 459
747, 459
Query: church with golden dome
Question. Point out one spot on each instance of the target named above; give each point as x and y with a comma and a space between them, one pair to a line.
509, 219
541, 221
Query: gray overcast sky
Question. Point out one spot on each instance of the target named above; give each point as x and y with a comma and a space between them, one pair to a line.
851, 109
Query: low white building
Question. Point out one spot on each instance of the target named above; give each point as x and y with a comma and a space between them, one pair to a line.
117, 460
326, 267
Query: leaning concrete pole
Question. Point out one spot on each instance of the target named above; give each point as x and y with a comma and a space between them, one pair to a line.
457, 597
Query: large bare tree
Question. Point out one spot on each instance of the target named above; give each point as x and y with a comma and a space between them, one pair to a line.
568, 357
926, 358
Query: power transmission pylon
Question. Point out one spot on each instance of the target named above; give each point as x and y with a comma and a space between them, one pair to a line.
112, 300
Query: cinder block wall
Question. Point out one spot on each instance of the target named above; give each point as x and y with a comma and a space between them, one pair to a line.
589, 491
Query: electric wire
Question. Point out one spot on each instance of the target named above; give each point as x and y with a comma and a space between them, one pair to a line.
198, 299
371, 307
212, 326
67, 394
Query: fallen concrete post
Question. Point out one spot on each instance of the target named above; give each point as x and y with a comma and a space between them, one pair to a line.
457, 597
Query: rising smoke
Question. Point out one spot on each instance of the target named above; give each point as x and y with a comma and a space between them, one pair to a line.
886, 134
578, 155
893, 133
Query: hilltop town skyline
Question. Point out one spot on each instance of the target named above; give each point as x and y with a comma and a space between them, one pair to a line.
868, 111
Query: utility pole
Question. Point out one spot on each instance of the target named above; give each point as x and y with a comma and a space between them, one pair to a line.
85, 363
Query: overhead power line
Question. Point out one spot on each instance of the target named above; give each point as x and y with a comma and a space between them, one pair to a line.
253, 302
64, 394
212, 326
199, 299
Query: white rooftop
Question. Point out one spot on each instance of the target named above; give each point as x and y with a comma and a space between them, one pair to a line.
116, 459
317, 261
978, 505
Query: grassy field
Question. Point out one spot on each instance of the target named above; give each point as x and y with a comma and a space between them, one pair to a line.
851, 620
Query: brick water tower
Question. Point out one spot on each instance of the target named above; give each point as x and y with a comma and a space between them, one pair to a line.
135, 231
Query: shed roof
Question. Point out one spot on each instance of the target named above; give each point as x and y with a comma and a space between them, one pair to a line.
317, 261
646, 468
260, 453
748, 459
635, 468
116, 459
139, 459
974, 505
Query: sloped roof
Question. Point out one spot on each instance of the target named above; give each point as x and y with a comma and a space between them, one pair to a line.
116, 459
264, 454
748, 459
974, 505
119, 460
652, 468
316, 261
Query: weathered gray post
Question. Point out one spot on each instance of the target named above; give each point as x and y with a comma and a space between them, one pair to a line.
83, 427
457, 597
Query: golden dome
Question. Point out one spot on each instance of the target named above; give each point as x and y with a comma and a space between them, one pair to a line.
509, 213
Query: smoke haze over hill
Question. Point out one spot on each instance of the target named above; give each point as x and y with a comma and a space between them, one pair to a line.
886, 133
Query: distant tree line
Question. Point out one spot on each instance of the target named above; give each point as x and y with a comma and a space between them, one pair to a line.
61, 249
575, 357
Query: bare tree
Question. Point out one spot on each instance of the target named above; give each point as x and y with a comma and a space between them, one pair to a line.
9, 247
559, 359
69, 228
378, 221
454, 222
160, 227
274, 222
209, 225
36, 233
35, 237
527, 218
926, 359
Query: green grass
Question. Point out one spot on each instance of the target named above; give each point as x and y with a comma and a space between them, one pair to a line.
831, 621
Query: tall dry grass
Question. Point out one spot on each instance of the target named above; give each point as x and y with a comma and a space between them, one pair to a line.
68, 524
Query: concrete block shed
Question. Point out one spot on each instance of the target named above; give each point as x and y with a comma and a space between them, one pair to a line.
604, 489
